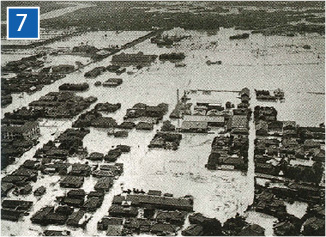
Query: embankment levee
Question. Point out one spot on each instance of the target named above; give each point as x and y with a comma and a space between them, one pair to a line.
65, 36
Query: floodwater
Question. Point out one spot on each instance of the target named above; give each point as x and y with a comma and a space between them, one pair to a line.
100, 39
219, 194
71, 7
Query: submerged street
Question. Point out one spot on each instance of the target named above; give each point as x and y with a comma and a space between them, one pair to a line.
257, 63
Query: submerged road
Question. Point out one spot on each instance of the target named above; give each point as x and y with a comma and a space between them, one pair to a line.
21, 102
62, 11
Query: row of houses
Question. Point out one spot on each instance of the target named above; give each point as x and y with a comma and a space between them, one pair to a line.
75, 207
211, 113
162, 214
28, 131
63, 104
16, 139
237, 123
138, 59
291, 159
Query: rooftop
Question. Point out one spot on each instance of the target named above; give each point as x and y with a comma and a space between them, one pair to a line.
20, 129
201, 118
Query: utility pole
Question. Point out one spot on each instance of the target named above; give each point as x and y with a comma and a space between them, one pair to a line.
177, 95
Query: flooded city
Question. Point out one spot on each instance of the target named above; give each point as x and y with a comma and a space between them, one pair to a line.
118, 126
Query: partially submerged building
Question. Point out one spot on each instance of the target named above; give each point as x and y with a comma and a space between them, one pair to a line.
138, 59
29, 130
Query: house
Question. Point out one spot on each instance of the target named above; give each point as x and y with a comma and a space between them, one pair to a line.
144, 126
30, 174
243, 105
117, 169
57, 153
11, 215
163, 229
40, 191
238, 121
268, 204
114, 230
265, 168
80, 170
71, 201
212, 121
245, 99
137, 225
78, 219
107, 107
112, 68
63, 69
172, 217
314, 227
31, 164
275, 126
194, 126
95, 72
113, 155
289, 125
25, 190
113, 82
211, 105
17, 205
155, 192
309, 144
40, 216
124, 148
212, 161
231, 163
193, 230
290, 142
262, 128
265, 113
99, 194
240, 131
108, 221
76, 193
56, 233
215, 112
135, 112
155, 111
241, 111
88, 49
72, 182
104, 122
5, 188
319, 156
244, 95
96, 156
286, 228
252, 230
123, 211
103, 173
268, 142
28, 131
139, 59
92, 203
104, 184
289, 132
200, 110
272, 150
166, 203
15, 179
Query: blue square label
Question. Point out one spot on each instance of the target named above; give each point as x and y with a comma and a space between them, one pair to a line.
23, 23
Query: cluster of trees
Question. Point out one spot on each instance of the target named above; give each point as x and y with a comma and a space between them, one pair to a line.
122, 16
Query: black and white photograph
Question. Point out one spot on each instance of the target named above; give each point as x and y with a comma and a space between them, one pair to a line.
162, 118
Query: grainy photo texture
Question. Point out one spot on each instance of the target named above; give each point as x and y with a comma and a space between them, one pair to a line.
162, 118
